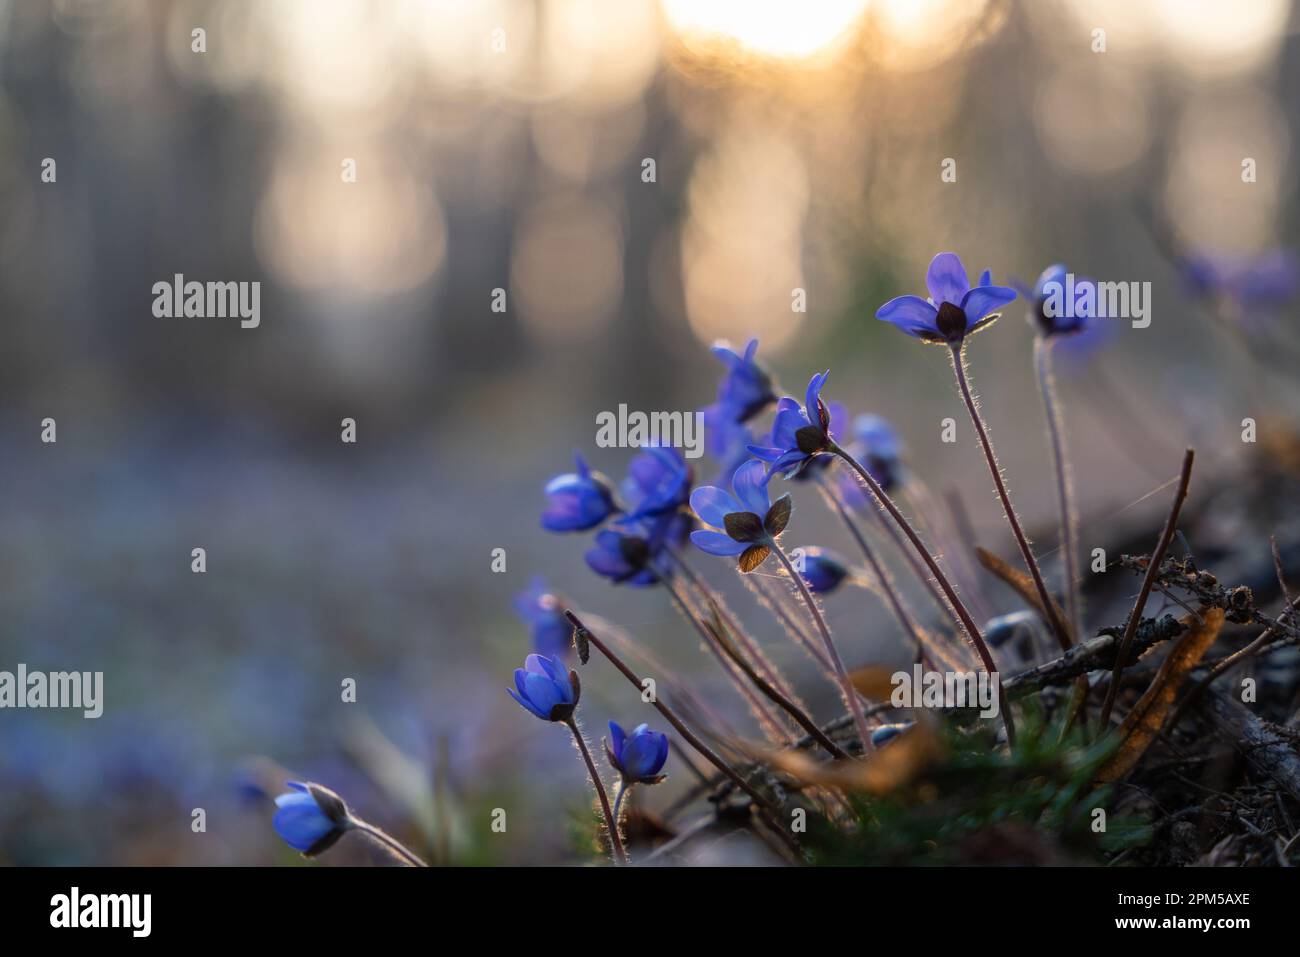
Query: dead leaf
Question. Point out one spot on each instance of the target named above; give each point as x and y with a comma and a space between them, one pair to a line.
1023, 585
1141, 726
874, 682
893, 766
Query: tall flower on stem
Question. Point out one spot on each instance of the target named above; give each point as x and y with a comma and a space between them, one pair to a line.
752, 528
311, 818
953, 312
1056, 321
1054, 324
547, 691
806, 434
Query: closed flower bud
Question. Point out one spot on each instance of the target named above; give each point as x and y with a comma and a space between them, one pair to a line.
310, 818
823, 570
577, 501
638, 756
546, 689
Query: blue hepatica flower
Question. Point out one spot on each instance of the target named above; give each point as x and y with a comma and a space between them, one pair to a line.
626, 557
1064, 304
823, 570
746, 389
799, 434
546, 688
658, 482
544, 614
751, 522
954, 310
310, 818
817, 464
578, 500
638, 756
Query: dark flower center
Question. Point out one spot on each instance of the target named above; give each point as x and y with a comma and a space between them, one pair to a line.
635, 551
951, 322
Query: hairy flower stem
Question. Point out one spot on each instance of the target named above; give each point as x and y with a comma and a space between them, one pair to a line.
888, 592
771, 726
389, 843
747, 644
620, 855
948, 543
623, 788
1044, 597
847, 690
964, 620
1061, 465
585, 634
796, 629
1069, 521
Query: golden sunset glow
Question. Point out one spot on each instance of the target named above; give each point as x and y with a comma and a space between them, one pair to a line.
767, 27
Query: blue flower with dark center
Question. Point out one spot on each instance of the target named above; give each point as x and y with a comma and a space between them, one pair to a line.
746, 389
819, 464
544, 614
823, 570
638, 756
546, 688
578, 500
623, 557
658, 481
751, 522
310, 818
954, 310
798, 434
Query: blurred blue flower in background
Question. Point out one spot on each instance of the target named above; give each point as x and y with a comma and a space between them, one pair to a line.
625, 558
876, 444
726, 440
546, 688
888, 732
746, 388
658, 481
638, 756
543, 613
1266, 281
953, 311
577, 500
823, 570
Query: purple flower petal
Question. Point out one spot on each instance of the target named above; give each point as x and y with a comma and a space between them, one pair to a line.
751, 489
911, 314
713, 504
982, 300
716, 543
946, 279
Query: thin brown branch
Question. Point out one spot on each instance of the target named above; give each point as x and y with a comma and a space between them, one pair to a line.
1166, 535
